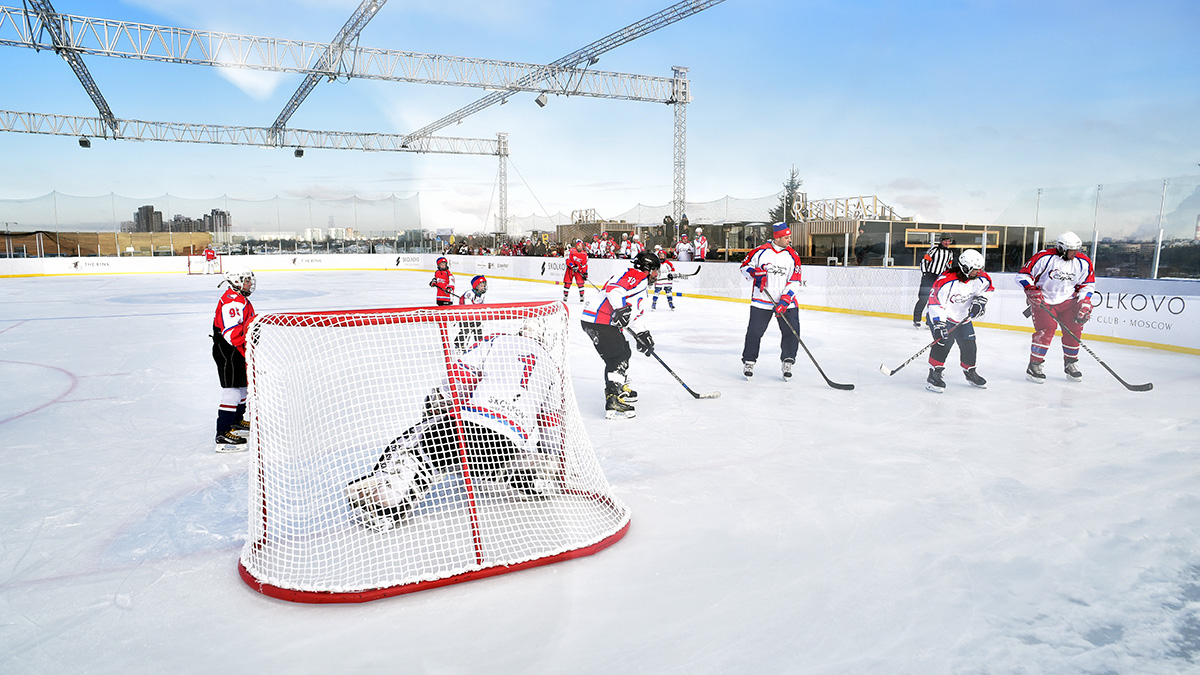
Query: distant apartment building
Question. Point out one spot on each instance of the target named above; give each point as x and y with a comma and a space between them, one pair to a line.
313, 234
146, 219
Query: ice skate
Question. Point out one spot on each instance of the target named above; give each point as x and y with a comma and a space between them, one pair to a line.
748, 369
615, 408
974, 378
1071, 368
917, 325
628, 395
787, 369
616, 405
230, 442
934, 382
1034, 373
240, 428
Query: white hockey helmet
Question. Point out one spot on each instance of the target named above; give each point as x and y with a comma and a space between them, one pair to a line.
699, 230
969, 261
241, 281
636, 237
1068, 241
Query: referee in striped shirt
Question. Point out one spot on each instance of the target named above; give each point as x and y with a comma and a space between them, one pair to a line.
936, 261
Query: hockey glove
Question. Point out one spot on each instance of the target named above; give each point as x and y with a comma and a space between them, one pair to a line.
433, 283
1085, 311
1034, 295
978, 307
759, 276
620, 316
585, 276
645, 343
940, 332
781, 307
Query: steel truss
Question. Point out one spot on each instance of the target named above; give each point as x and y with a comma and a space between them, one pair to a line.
141, 130
125, 39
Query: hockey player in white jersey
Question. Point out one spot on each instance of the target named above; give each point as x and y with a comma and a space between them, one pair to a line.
618, 306
959, 295
1058, 284
700, 245
774, 270
471, 331
501, 405
683, 249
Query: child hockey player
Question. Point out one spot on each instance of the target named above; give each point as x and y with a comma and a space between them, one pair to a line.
233, 317
959, 295
577, 265
665, 282
606, 315
443, 281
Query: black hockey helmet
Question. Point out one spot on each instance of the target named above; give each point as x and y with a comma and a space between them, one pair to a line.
646, 262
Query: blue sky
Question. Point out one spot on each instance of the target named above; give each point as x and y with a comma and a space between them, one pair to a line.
953, 111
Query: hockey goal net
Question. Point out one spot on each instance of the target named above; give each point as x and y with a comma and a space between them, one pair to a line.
198, 265
402, 449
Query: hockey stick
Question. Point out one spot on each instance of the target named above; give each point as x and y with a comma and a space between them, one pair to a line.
680, 275
1131, 387
711, 394
883, 369
835, 385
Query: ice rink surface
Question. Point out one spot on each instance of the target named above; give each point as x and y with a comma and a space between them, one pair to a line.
782, 528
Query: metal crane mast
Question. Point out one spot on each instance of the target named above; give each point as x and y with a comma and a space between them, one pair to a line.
325, 66
45, 12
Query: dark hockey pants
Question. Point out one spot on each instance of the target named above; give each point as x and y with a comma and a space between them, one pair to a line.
610, 343
965, 337
789, 343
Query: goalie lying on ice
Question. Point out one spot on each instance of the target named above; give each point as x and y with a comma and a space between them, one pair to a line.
500, 407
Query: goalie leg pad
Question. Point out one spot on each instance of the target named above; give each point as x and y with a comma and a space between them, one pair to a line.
532, 476
382, 500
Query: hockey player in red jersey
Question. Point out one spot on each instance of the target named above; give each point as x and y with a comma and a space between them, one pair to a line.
618, 306
959, 295
210, 260
774, 270
233, 316
1058, 282
577, 268
443, 281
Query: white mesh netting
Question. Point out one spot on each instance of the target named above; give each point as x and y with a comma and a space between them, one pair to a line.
398, 449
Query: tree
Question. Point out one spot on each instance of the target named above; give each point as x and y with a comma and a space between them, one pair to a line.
791, 194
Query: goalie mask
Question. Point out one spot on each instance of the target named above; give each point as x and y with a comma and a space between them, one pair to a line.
241, 281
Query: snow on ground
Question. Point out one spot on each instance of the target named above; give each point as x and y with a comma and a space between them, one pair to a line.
784, 527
